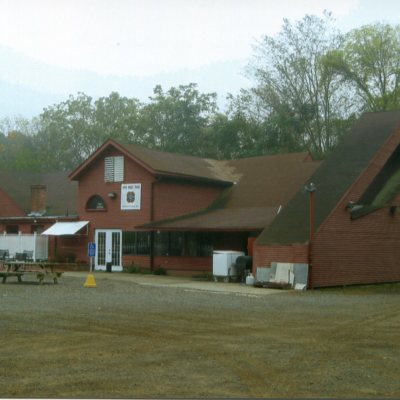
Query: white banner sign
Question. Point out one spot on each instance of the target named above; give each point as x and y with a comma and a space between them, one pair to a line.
130, 196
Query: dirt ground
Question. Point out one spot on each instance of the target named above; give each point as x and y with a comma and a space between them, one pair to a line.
125, 340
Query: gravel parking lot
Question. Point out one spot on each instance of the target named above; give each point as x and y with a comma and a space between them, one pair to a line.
123, 339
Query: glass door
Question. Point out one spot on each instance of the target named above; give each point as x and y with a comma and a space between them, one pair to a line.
108, 249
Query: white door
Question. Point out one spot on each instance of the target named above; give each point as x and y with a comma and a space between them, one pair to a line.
108, 249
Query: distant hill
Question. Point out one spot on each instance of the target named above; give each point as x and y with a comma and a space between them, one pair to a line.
28, 85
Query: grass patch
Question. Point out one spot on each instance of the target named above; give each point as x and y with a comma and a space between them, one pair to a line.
204, 276
377, 288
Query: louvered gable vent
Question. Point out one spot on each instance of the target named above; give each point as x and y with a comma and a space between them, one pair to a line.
114, 169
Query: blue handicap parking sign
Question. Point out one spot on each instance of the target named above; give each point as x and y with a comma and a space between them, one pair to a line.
91, 249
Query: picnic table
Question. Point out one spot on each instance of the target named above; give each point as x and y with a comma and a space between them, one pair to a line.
40, 269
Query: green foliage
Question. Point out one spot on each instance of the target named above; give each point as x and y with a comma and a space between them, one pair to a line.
369, 62
117, 117
133, 269
136, 269
388, 192
72, 130
310, 83
300, 97
160, 271
18, 151
175, 120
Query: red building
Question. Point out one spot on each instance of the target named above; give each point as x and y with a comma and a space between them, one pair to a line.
32, 202
157, 209
356, 212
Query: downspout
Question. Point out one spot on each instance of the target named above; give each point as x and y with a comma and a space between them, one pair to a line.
311, 242
151, 220
310, 188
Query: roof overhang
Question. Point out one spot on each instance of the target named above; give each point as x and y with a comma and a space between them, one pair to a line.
65, 228
228, 219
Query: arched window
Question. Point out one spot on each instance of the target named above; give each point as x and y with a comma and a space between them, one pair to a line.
96, 202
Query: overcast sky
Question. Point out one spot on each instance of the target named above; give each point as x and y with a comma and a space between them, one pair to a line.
52, 48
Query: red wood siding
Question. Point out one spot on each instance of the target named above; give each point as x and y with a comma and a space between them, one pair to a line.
92, 183
170, 199
264, 255
187, 266
364, 250
345, 251
173, 199
138, 261
8, 208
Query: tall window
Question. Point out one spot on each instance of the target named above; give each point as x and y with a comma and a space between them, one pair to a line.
136, 243
114, 169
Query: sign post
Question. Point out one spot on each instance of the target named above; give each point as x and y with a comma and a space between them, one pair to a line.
90, 282
91, 253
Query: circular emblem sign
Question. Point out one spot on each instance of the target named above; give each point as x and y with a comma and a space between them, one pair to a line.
130, 197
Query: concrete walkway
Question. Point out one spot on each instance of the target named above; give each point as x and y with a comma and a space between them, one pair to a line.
179, 282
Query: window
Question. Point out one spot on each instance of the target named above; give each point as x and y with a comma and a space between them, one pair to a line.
176, 243
96, 202
136, 243
190, 244
161, 244
114, 169
12, 229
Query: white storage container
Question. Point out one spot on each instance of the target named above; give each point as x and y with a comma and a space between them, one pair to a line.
224, 264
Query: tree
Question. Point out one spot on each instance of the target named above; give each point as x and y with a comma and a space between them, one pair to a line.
72, 130
240, 132
17, 147
66, 133
300, 95
176, 120
117, 117
369, 61
17, 152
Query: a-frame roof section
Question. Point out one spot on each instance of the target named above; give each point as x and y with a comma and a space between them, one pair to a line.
161, 163
333, 178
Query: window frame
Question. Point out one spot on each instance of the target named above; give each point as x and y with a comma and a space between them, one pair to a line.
114, 170
92, 199
134, 243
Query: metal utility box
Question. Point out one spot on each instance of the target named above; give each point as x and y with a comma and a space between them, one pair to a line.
224, 264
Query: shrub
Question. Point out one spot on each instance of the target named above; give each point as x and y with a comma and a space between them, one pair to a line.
160, 271
70, 257
133, 269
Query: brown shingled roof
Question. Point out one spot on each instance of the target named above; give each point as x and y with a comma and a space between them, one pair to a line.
165, 164
258, 186
264, 184
179, 165
61, 192
334, 178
